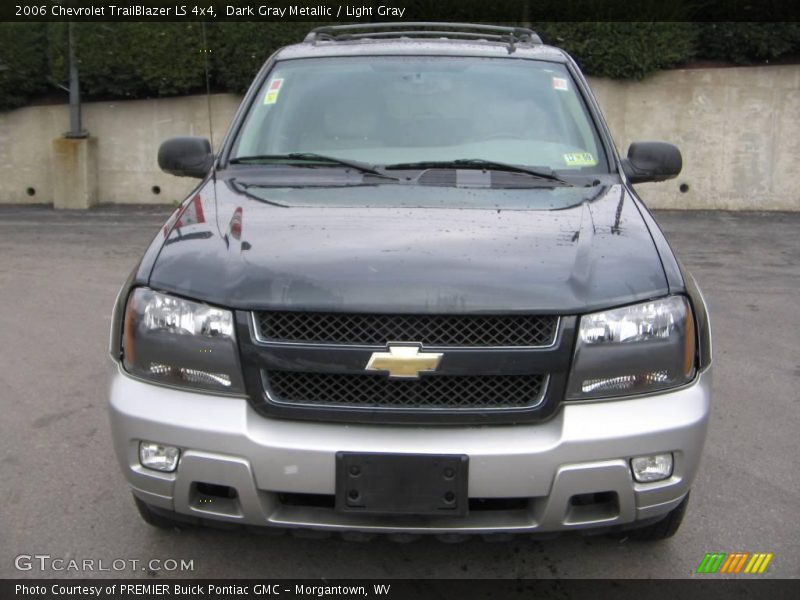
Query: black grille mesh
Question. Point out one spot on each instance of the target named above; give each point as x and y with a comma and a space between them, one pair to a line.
378, 391
431, 330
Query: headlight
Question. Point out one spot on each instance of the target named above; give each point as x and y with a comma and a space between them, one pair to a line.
175, 341
634, 349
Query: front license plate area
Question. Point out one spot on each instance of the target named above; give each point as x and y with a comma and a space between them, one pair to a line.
402, 484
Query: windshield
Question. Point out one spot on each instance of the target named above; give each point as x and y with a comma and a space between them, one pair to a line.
391, 110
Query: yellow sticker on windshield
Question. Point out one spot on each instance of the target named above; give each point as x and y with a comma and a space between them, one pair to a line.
274, 88
579, 159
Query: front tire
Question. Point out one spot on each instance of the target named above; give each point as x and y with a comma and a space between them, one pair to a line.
663, 529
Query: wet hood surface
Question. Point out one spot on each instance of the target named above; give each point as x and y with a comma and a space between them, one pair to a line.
568, 252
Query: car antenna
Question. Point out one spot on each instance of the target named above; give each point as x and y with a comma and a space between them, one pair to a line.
206, 52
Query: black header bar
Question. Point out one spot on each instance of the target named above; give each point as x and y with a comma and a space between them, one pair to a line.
707, 587
328, 11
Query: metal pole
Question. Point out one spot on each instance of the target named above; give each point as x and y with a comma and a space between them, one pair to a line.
75, 126
526, 14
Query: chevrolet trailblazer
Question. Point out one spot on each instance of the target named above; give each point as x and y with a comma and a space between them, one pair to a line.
414, 292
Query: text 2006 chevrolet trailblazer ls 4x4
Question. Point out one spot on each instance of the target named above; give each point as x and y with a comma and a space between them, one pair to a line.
415, 292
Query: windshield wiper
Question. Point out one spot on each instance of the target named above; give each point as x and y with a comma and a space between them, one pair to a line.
310, 157
480, 163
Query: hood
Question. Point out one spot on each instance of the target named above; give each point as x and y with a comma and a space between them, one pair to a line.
564, 251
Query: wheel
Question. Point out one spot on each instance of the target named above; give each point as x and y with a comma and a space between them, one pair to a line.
153, 518
663, 529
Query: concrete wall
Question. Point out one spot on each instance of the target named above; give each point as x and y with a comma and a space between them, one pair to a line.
128, 134
738, 129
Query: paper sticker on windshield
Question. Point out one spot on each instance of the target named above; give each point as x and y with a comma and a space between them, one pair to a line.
559, 83
579, 159
271, 97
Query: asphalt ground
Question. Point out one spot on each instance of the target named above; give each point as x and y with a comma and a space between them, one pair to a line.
63, 495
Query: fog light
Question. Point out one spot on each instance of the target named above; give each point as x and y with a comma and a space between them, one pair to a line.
651, 468
158, 457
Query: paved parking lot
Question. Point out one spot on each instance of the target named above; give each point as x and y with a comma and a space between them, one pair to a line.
63, 495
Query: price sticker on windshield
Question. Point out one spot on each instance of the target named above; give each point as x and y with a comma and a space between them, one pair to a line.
274, 88
579, 159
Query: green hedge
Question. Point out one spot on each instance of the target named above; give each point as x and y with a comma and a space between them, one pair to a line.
23, 62
623, 50
745, 43
131, 60
141, 60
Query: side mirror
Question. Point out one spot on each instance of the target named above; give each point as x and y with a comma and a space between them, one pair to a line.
186, 156
652, 161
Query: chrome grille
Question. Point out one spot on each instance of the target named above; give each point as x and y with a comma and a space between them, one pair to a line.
430, 330
454, 392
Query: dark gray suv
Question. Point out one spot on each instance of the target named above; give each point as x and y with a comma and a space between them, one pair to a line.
414, 292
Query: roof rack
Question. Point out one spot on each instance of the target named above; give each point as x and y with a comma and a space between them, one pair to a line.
510, 35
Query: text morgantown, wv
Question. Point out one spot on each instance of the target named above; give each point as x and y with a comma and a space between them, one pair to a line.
201, 590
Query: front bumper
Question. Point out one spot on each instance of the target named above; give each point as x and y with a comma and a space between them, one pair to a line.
584, 449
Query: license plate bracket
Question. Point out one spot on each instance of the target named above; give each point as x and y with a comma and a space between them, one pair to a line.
402, 484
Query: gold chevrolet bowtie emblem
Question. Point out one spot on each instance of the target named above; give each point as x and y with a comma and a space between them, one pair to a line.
404, 361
